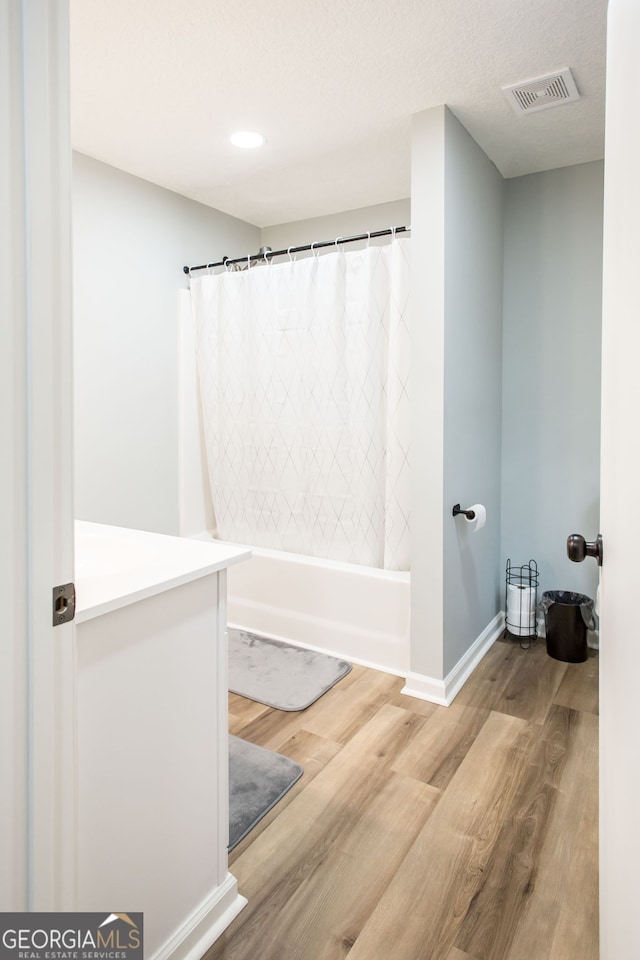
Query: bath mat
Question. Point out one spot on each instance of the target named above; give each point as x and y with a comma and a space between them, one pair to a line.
258, 778
279, 674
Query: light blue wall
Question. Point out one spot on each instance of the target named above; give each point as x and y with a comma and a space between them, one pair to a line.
551, 371
131, 240
457, 280
348, 223
474, 194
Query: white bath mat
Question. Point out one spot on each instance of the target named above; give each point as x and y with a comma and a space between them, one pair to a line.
279, 674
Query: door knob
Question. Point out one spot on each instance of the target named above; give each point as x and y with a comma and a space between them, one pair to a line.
578, 548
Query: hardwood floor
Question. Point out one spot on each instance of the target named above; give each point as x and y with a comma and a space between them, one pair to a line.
429, 833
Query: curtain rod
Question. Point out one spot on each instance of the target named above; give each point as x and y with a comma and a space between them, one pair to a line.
316, 245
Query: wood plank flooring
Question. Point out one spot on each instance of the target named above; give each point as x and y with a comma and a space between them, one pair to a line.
421, 832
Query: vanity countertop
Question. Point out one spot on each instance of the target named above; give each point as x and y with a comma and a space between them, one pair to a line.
116, 566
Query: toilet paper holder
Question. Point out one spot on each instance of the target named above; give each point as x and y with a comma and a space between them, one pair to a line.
469, 514
521, 602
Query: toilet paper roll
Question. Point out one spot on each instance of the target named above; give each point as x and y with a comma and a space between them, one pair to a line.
521, 610
480, 517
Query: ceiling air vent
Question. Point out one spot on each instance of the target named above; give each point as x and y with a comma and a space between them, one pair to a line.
543, 92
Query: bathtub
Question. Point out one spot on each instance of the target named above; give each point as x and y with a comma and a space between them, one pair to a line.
358, 613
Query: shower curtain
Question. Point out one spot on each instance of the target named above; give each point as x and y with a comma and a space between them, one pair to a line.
304, 384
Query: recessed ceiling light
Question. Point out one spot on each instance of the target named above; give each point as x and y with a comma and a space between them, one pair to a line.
246, 139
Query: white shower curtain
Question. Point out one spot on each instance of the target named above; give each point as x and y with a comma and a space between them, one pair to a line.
304, 382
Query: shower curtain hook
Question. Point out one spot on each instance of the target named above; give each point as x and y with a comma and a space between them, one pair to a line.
313, 253
291, 259
337, 240
368, 239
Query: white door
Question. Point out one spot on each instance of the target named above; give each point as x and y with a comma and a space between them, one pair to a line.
620, 479
36, 512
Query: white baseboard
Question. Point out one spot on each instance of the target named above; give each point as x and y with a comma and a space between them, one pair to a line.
205, 924
425, 688
444, 691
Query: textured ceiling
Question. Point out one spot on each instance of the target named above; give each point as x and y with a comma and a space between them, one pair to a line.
158, 86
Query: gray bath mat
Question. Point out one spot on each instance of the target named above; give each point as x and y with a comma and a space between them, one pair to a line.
258, 778
279, 674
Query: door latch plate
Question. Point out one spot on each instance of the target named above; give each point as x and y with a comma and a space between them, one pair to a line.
64, 603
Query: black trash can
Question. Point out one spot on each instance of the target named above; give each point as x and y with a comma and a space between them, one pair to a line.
567, 617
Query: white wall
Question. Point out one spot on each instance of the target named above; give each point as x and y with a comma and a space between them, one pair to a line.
131, 240
551, 373
427, 392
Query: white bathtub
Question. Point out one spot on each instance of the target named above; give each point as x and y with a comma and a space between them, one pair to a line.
358, 613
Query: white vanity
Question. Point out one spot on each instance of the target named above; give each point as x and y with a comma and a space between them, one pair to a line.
151, 735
